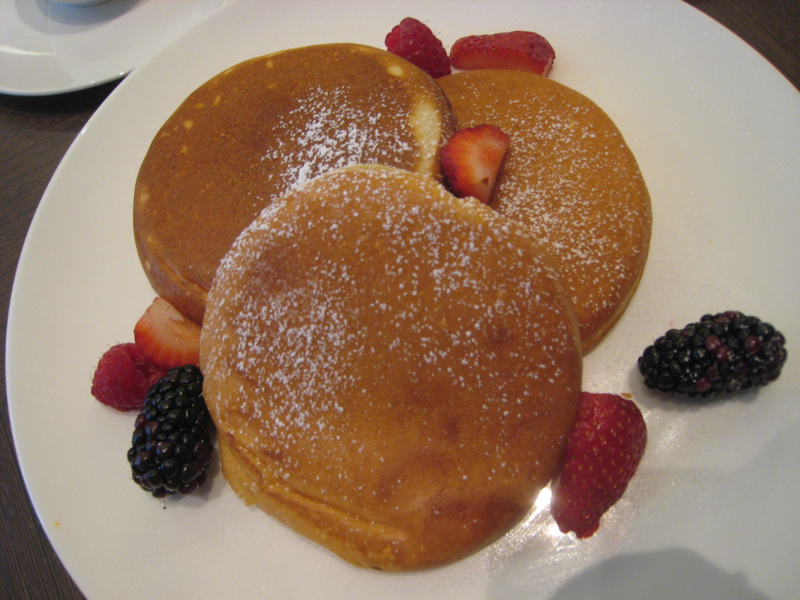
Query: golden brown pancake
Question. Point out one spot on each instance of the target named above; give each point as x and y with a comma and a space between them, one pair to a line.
570, 178
393, 372
252, 132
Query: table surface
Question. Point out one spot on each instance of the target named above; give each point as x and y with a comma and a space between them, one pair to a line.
35, 134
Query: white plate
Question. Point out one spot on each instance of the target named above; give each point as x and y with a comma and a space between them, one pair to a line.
50, 47
712, 512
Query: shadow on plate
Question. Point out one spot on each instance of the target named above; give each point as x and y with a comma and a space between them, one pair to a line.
664, 574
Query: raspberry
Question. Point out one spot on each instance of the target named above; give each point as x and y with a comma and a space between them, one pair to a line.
171, 445
415, 42
123, 377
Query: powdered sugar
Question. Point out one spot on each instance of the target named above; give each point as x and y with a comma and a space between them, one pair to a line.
337, 134
570, 179
381, 304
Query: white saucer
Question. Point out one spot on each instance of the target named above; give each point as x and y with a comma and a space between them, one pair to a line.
52, 47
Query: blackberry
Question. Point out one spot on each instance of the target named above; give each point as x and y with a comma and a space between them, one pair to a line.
721, 354
171, 445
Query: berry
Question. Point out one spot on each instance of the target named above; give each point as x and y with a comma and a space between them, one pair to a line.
123, 376
721, 354
515, 50
471, 161
166, 337
415, 42
171, 445
603, 453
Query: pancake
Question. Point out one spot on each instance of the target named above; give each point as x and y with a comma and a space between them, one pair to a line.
252, 132
569, 178
393, 372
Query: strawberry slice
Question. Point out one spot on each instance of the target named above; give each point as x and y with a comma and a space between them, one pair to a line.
603, 453
166, 337
515, 50
471, 161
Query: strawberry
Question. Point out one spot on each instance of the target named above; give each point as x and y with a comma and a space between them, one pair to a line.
415, 42
471, 161
603, 453
166, 337
123, 377
515, 50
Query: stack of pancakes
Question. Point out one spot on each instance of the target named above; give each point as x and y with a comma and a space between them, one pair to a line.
253, 132
393, 371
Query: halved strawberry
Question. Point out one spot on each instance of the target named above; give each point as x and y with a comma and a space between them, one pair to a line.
471, 161
166, 337
515, 50
603, 453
